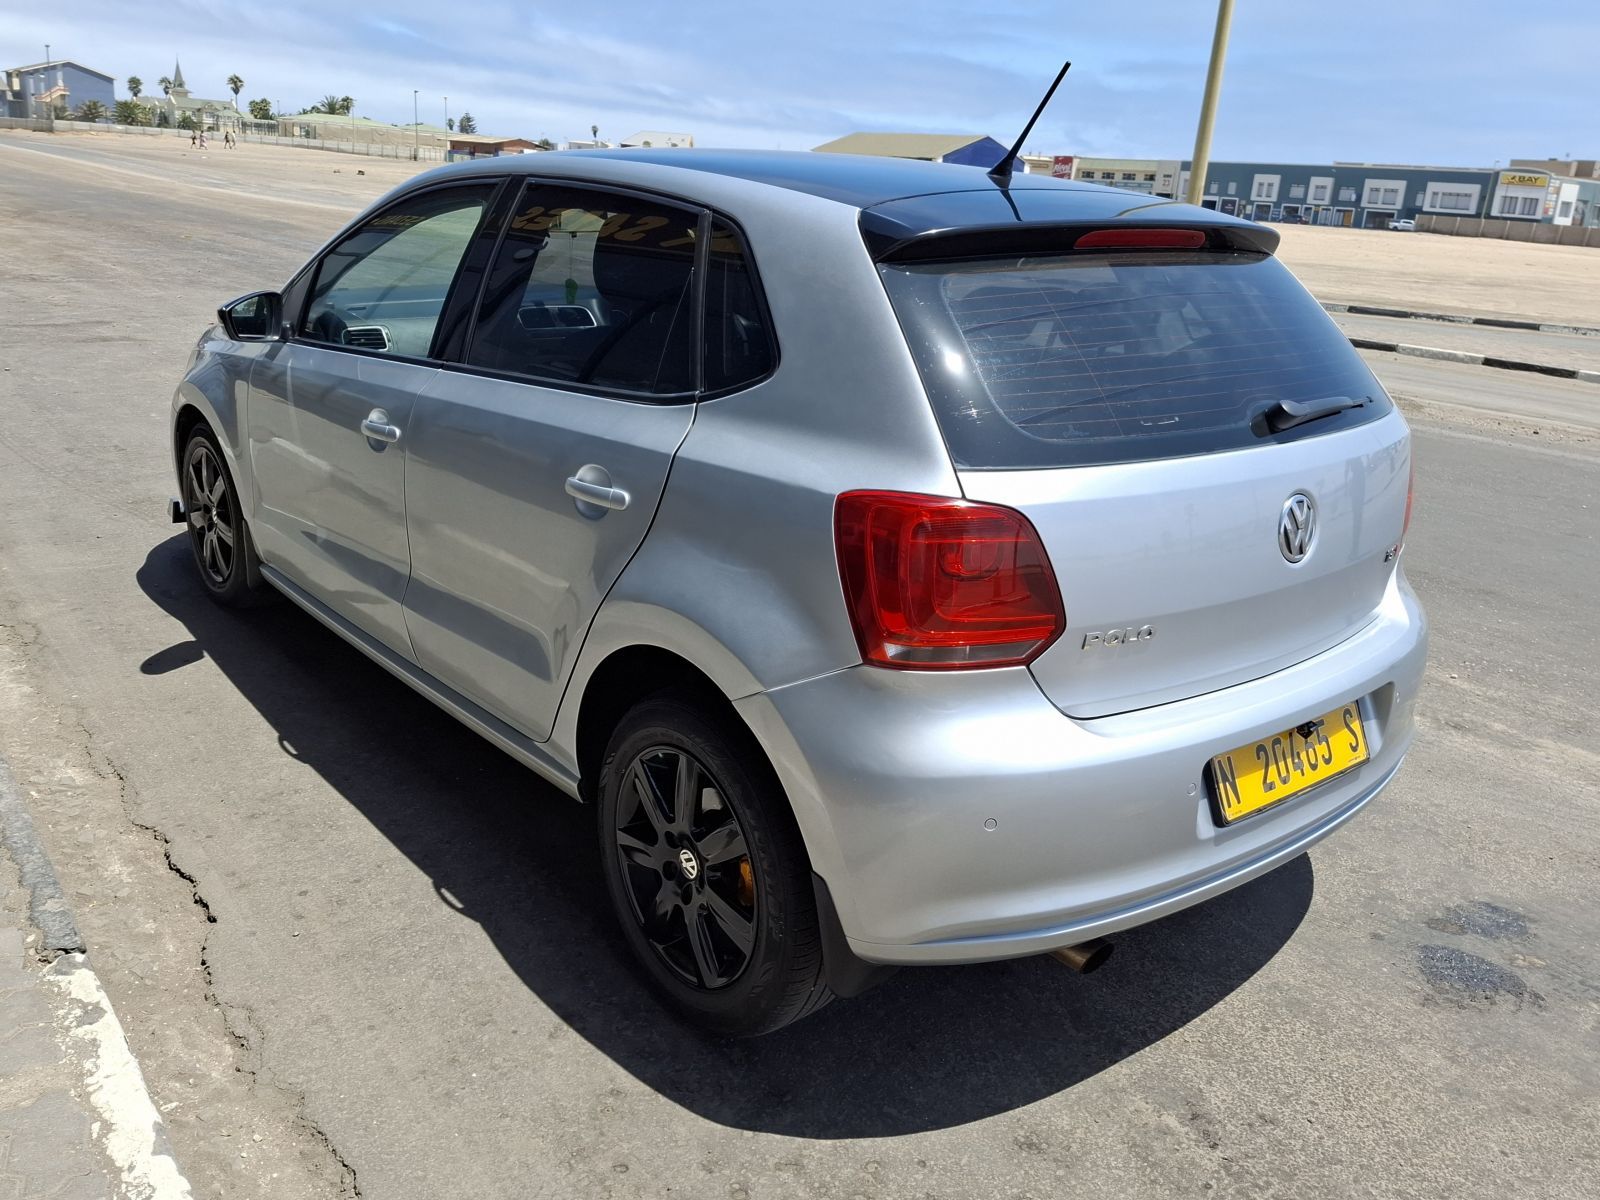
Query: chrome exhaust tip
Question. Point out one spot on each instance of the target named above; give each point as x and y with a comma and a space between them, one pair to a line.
1085, 956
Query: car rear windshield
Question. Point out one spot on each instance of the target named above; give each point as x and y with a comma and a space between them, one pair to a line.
1066, 360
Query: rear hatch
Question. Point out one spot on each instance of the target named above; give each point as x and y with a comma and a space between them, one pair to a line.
1171, 413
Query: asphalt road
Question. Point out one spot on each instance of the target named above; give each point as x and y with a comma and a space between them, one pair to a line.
383, 947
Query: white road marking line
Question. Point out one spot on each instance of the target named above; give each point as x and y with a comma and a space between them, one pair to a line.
131, 1130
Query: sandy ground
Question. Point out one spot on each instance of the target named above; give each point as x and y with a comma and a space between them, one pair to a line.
1480, 276
1559, 284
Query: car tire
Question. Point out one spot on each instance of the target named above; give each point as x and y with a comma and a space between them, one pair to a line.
224, 553
706, 869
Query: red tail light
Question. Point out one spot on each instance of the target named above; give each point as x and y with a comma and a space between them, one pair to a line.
1141, 239
939, 584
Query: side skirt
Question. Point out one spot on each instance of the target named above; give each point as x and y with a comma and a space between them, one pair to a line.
522, 748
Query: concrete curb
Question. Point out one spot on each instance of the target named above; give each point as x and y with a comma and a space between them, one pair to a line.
1372, 310
1477, 360
123, 1119
47, 907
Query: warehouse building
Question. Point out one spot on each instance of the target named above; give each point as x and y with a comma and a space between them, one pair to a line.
1362, 195
967, 149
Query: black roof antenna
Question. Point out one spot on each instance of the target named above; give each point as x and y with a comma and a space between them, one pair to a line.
1001, 172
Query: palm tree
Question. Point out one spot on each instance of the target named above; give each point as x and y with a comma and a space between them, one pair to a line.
129, 112
346, 105
594, 132
467, 124
450, 124
333, 105
91, 110
135, 86
166, 85
235, 85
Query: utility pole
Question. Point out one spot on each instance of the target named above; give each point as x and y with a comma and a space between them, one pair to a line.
416, 129
447, 114
49, 108
1201, 162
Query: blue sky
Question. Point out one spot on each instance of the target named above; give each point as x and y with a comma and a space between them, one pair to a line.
1469, 82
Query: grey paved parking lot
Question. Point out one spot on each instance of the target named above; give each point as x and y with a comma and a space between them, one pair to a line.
333, 920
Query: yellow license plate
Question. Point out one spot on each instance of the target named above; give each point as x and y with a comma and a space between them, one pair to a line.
1260, 774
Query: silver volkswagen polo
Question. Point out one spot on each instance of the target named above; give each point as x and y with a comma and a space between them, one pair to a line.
908, 566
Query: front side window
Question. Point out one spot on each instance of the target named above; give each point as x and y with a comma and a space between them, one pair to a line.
592, 288
383, 287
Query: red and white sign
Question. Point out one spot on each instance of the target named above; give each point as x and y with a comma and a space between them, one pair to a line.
1061, 166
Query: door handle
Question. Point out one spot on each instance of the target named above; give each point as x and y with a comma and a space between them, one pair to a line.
377, 427
589, 491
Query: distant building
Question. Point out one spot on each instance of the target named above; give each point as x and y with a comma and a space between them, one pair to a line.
171, 108
968, 149
477, 145
1371, 195
1578, 168
1155, 177
1361, 195
658, 139
38, 89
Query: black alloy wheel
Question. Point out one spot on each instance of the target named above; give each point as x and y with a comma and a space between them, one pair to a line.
706, 868
686, 868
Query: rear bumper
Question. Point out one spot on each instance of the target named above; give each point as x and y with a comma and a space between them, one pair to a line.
962, 817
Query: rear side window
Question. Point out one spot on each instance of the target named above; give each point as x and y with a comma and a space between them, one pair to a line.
1077, 359
592, 288
738, 345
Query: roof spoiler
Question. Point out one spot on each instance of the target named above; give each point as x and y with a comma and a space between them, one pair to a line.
889, 241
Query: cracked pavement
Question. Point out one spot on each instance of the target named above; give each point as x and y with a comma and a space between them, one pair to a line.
333, 920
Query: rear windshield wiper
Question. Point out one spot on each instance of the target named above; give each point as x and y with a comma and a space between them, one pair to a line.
1286, 414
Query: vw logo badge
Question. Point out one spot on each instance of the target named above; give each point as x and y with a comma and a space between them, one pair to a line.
1297, 525
690, 864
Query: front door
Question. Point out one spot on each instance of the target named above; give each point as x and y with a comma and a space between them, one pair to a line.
329, 409
536, 464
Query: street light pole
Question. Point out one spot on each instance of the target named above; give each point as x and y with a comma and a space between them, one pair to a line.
447, 113
1201, 162
416, 129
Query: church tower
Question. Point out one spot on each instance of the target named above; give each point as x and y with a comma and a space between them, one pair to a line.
179, 91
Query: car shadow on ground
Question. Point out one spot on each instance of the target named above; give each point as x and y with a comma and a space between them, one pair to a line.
930, 1048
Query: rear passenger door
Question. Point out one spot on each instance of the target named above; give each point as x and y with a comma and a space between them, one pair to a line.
537, 461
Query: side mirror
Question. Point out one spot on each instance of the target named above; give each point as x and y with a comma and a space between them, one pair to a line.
252, 318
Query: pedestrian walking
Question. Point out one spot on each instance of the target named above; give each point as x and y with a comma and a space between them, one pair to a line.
193, 138
202, 139
227, 139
